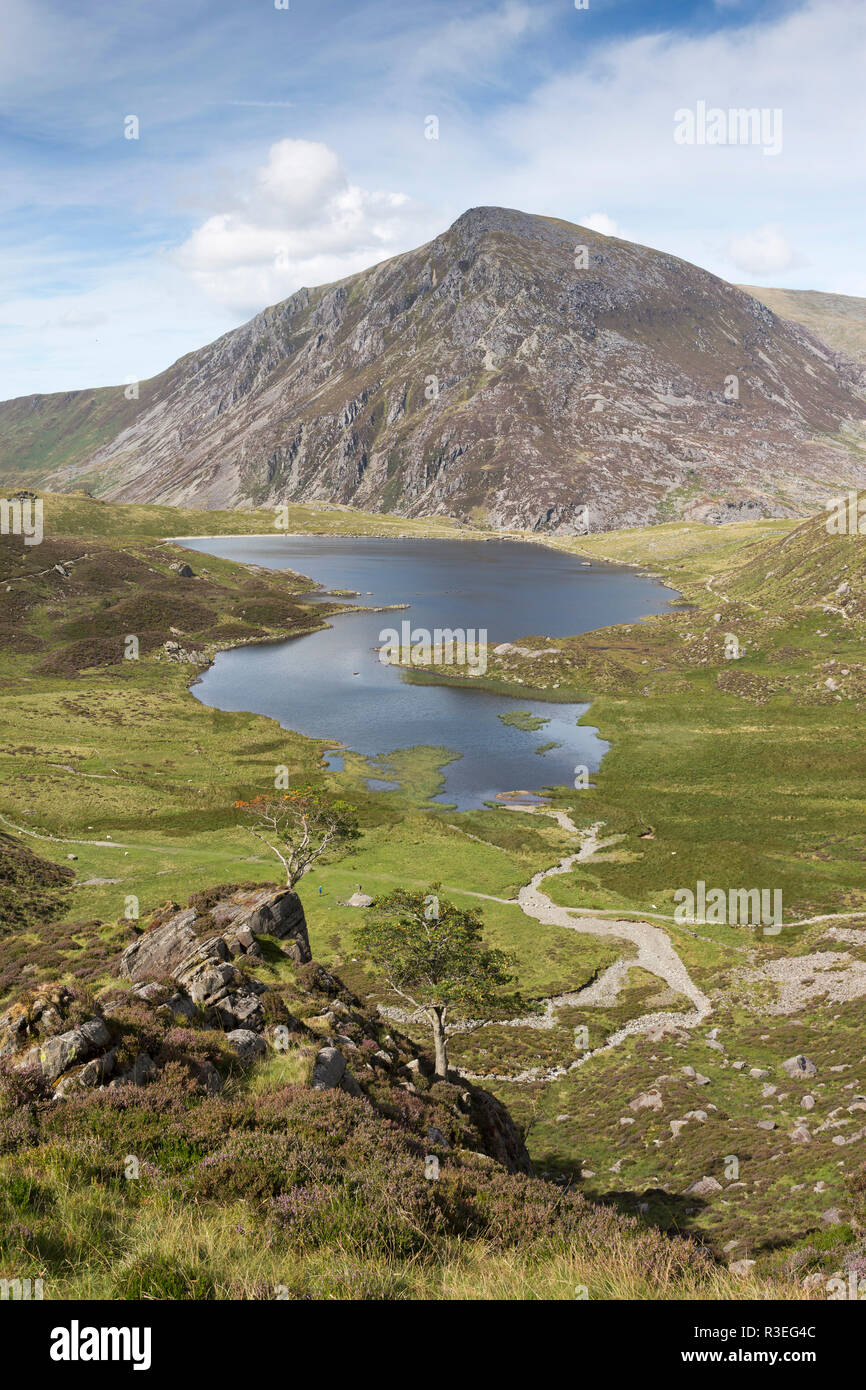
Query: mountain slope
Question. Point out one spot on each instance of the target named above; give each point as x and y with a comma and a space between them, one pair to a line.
837, 319
483, 375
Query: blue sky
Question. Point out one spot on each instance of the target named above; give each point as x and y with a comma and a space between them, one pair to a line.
282, 147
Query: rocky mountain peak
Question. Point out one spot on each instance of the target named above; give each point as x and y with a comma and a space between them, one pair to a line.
517, 370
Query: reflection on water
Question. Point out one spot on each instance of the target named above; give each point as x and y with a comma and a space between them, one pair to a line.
331, 684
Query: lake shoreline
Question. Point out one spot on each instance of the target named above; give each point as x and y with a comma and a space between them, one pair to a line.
337, 692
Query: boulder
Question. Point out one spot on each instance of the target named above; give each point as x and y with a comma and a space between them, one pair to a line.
42, 1015
328, 1069
349, 1084
97, 1071
704, 1187
247, 1044
206, 982
208, 1079
647, 1100
179, 949
241, 1010
178, 1006
799, 1066
142, 1070
63, 1051
359, 900
14, 1029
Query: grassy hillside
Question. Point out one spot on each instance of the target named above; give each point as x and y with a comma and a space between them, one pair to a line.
837, 319
736, 771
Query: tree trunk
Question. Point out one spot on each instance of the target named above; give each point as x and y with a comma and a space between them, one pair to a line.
437, 1018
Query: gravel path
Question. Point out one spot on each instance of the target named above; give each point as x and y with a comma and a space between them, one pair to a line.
655, 954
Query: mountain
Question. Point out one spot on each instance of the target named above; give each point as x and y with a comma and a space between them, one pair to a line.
488, 375
837, 319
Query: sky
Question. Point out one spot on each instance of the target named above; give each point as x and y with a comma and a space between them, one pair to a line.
171, 167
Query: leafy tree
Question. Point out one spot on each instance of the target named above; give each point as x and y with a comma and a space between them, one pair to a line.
299, 825
431, 954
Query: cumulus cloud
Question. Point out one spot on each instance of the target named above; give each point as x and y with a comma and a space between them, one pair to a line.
765, 251
300, 221
600, 222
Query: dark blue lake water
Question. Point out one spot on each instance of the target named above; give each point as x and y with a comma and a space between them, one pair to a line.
332, 684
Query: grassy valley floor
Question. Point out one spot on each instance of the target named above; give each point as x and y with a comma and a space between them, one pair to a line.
741, 772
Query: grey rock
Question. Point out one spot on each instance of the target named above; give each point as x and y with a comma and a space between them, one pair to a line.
142, 1070
156, 953
241, 1010
799, 1066
328, 1069
209, 1079
350, 1085
247, 1044
97, 1071
61, 1052
647, 1100
704, 1187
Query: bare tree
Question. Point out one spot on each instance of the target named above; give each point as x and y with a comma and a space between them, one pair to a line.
299, 825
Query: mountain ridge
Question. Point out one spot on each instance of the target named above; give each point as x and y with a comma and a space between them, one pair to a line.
486, 375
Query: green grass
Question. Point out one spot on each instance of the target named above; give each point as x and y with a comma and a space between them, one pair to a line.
522, 719
741, 774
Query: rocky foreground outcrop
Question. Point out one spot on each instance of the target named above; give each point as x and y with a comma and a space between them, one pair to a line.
189, 993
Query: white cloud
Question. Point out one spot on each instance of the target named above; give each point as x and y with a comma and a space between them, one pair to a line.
600, 222
470, 47
765, 251
300, 222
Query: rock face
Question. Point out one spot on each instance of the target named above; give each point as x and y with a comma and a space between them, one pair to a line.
191, 990
178, 947
517, 365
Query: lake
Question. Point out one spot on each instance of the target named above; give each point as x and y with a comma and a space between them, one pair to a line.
332, 685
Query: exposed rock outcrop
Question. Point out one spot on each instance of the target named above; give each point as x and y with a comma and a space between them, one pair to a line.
192, 998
